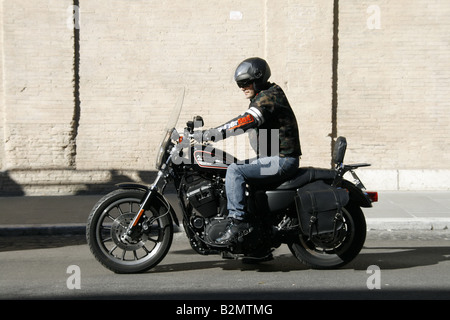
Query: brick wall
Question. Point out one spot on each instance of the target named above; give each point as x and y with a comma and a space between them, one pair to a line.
84, 108
37, 85
2, 105
393, 86
135, 57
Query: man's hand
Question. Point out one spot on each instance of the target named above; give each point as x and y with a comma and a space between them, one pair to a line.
207, 135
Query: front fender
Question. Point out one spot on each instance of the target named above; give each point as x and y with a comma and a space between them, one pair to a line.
156, 196
132, 185
357, 196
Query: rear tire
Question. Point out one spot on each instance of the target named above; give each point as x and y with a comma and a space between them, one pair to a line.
109, 220
339, 253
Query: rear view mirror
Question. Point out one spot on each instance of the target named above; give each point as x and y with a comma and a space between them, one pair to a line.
198, 121
339, 150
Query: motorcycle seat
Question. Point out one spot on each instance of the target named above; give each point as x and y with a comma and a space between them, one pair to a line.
304, 176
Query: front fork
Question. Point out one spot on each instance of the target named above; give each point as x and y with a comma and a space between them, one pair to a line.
134, 228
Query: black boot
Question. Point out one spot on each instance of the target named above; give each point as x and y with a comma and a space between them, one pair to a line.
234, 230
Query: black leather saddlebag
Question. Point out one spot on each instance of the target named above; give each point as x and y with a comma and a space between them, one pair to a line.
319, 207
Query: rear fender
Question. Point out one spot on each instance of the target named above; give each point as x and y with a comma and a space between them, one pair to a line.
155, 196
357, 196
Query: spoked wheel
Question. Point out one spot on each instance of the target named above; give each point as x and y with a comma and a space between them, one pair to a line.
330, 251
107, 226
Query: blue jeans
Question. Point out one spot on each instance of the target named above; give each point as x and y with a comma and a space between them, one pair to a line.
266, 170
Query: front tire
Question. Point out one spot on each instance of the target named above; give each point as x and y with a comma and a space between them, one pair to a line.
333, 255
109, 220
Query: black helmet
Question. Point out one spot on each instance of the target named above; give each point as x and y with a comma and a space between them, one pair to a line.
252, 70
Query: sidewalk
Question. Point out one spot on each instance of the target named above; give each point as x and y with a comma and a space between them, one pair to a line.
68, 214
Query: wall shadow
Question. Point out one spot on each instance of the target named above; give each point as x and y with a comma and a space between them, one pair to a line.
8, 187
145, 177
393, 258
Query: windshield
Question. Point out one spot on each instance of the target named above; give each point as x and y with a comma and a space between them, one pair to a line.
173, 119
168, 130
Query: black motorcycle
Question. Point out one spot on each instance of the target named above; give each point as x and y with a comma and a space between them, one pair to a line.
316, 212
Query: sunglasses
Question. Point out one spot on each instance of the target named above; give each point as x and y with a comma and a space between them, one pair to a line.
244, 83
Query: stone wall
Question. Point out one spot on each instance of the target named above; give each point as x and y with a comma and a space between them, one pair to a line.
393, 87
87, 86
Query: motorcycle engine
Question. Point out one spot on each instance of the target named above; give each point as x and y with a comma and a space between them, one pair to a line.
205, 195
202, 195
215, 229
207, 220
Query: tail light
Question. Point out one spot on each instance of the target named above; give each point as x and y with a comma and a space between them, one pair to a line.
373, 195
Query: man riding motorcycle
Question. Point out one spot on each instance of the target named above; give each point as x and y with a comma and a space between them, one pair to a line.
273, 121
314, 211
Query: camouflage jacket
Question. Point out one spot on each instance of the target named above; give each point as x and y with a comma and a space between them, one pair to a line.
268, 117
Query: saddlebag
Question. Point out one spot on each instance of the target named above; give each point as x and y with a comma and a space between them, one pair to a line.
319, 208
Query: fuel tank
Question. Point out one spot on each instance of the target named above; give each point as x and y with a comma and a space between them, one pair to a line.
208, 159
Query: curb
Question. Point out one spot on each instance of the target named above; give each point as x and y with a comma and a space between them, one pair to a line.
388, 224
408, 223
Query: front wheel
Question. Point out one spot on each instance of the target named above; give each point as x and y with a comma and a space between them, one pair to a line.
108, 222
328, 252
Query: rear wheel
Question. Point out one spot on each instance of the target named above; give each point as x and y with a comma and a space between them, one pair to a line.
330, 251
108, 222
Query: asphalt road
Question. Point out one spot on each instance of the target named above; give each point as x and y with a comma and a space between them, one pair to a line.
408, 265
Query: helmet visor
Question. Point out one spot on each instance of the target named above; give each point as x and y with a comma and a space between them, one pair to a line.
244, 83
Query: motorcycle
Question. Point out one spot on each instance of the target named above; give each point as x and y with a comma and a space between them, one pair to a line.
316, 213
